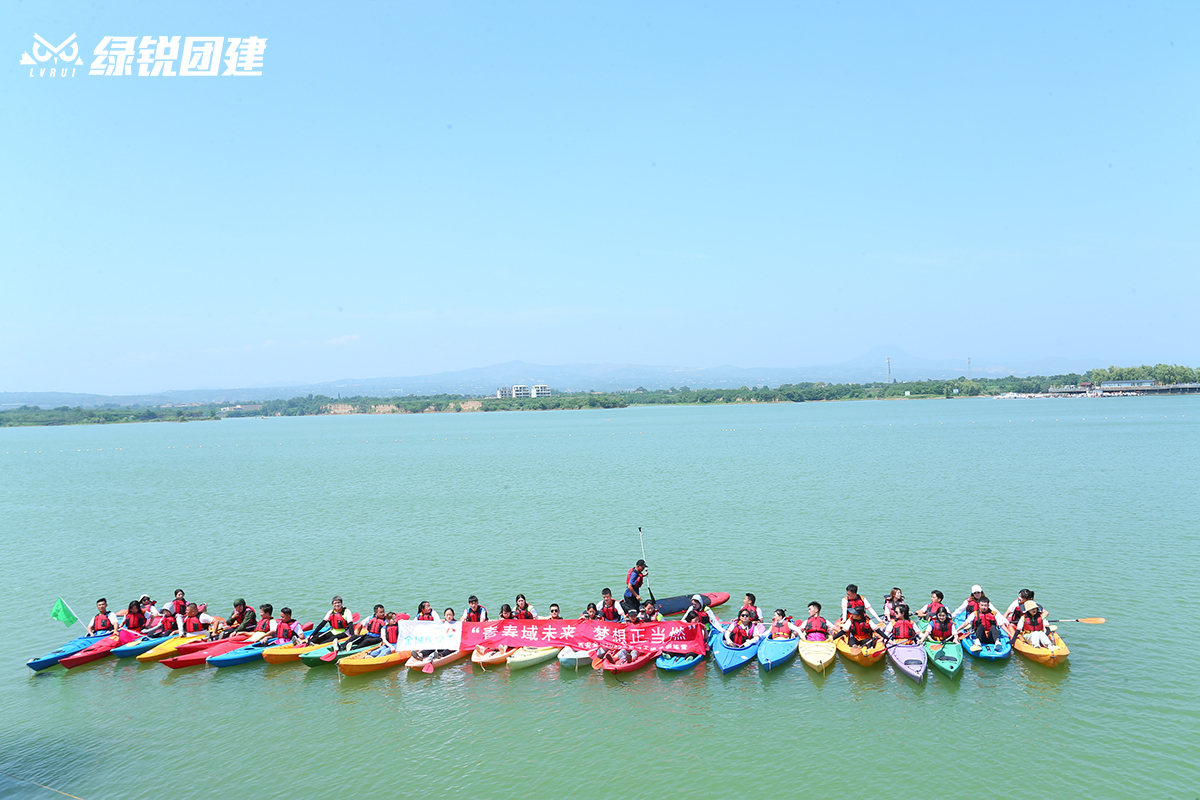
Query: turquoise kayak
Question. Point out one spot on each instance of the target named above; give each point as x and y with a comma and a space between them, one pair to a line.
242, 655
678, 662
991, 652
730, 658
777, 652
944, 656
139, 646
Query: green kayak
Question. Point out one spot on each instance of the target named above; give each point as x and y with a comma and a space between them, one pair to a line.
314, 658
948, 657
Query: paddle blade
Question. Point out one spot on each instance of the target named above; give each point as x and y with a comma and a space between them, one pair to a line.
428, 668
330, 656
1092, 620
596, 662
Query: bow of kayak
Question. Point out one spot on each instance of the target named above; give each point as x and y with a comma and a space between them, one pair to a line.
70, 648
818, 656
909, 659
1046, 656
362, 663
777, 652
867, 656
525, 657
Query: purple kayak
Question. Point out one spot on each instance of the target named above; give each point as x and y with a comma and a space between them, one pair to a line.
909, 659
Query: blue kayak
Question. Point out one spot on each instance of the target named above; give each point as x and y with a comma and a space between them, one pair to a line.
139, 646
777, 652
70, 648
678, 662
993, 652
242, 655
730, 658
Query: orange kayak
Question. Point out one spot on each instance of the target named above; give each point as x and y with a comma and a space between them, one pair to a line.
419, 663
867, 656
487, 658
362, 663
1046, 656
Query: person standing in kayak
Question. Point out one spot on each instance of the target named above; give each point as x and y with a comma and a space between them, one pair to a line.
337, 620
523, 609
860, 632
105, 621
941, 627
971, 604
475, 612
930, 609
633, 585
854, 600
815, 628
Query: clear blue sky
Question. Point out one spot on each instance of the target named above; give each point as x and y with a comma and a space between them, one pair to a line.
418, 187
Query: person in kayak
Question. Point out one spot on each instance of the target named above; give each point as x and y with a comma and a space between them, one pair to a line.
1016, 611
983, 623
860, 631
368, 634
241, 620
633, 585
756, 614
895, 598
1032, 626
389, 636
165, 626
193, 621
135, 619
781, 627
740, 632
930, 609
608, 610
506, 611
475, 612
105, 621
815, 628
555, 611
591, 612
523, 609
448, 615
266, 623
178, 606
650, 612
941, 628
287, 630
425, 612
337, 620
697, 612
854, 600
901, 630
149, 607
971, 604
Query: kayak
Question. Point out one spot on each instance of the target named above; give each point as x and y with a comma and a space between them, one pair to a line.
242, 655
99, 650
777, 652
524, 657
945, 656
319, 657
677, 605
139, 646
678, 662
642, 659
570, 657
197, 645
293, 652
197, 657
909, 659
817, 655
70, 648
168, 648
993, 652
362, 663
417, 663
487, 657
867, 656
730, 658
1043, 655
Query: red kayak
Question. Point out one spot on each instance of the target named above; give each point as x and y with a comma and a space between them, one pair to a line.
100, 649
204, 644
629, 666
200, 656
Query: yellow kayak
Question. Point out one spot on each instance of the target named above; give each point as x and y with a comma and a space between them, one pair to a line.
169, 648
362, 663
1046, 656
867, 656
292, 652
817, 655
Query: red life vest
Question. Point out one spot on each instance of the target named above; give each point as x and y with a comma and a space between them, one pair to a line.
610, 613
264, 625
168, 623
932, 609
473, 615
135, 621
101, 622
754, 617
986, 620
236, 617
861, 630
193, 625
178, 607
375, 625
391, 632
338, 622
903, 629
780, 630
739, 635
816, 625
857, 602
939, 631
1032, 624
972, 605
425, 617
523, 613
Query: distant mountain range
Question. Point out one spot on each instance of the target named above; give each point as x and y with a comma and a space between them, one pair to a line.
870, 367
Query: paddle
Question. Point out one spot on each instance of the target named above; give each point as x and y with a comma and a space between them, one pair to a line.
643, 543
1088, 620
428, 668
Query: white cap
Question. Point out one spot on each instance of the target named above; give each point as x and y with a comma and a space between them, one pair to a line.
976, 588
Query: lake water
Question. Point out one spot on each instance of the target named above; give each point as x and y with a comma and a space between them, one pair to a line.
1092, 503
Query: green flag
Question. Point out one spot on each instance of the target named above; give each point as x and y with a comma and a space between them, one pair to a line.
62, 613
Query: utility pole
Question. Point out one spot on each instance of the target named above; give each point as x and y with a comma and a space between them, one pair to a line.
889, 360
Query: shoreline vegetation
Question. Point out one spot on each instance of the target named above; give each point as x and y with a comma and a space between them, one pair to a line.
316, 405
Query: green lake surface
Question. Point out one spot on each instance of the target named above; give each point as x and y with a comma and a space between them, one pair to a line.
1092, 503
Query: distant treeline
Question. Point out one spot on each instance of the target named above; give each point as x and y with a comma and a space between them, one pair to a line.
787, 393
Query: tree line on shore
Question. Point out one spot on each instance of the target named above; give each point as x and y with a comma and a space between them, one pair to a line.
312, 405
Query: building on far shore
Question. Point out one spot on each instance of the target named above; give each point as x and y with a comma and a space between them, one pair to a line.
541, 390
519, 391
504, 393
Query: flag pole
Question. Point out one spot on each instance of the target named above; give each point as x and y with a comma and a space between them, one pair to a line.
73, 614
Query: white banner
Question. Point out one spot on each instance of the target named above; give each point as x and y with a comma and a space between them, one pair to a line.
423, 635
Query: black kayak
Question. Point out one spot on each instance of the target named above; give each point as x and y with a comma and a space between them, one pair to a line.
668, 606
